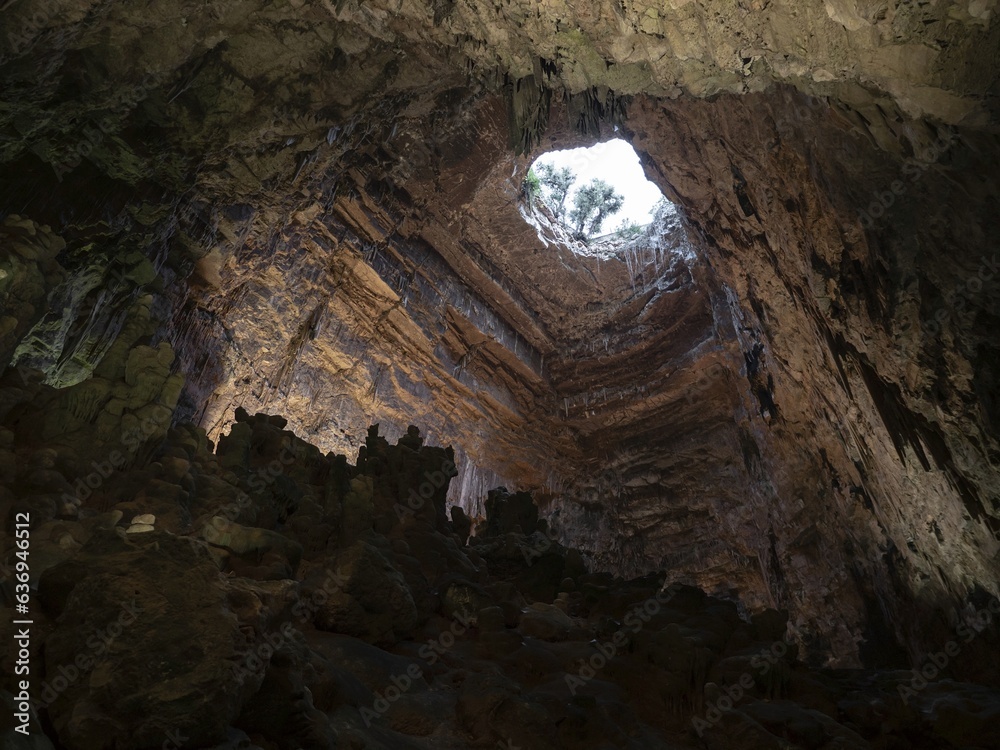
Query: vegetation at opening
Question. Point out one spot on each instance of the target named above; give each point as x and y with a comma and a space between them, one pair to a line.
628, 231
592, 204
557, 183
532, 188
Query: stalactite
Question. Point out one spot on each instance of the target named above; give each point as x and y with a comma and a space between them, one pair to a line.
528, 113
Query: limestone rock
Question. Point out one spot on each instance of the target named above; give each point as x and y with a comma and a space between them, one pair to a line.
243, 659
251, 542
117, 630
371, 600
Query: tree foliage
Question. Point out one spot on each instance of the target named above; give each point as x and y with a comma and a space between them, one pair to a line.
557, 183
531, 187
628, 231
592, 204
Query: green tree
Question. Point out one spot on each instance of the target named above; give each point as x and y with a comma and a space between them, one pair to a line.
557, 183
531, 188
628, 231
592, 204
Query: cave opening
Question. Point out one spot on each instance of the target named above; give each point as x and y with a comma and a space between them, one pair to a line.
592, 197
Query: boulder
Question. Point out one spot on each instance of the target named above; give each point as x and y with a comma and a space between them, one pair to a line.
142, 644
370, 600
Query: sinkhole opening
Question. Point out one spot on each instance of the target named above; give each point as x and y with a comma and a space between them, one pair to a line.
591, 199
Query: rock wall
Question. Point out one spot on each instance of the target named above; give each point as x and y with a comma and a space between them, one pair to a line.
29, 274
842, 312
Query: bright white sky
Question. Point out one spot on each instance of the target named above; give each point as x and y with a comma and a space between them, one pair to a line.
614, 162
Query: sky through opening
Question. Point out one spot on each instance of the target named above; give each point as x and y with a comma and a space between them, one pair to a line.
617, 163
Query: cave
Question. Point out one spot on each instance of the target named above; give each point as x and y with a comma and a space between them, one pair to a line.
315, 433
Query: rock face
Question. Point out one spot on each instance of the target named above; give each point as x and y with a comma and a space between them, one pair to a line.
28, 275
784, 394
389, 632
142, 668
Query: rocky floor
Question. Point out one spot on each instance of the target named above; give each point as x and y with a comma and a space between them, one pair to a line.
260, 594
